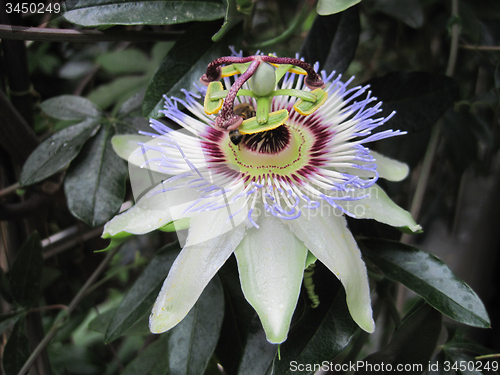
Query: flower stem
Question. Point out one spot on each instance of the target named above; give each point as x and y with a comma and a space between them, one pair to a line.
9, 190
82, 36
57, 324
480, 48
423, 180
455, 32
49, 307
299, 20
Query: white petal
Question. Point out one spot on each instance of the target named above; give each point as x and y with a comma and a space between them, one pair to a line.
147, 156
143, 179
329, 239
125, 145
210, 242
163, 153
153, 210
271, 264
380, 207
390, 169
136, 221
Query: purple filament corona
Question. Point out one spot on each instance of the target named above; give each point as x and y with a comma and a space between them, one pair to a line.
279, 196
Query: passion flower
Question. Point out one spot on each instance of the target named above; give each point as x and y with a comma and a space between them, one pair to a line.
266, 166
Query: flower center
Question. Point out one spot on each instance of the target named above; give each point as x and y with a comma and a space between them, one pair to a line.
279, 152
269, 142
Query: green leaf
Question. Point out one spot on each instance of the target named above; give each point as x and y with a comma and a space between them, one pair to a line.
152, 360
95, 183
412, 344
49, 276
70, 324
238, 316
48, 63
69, 107
232, 18
133, 104
497, 78
326, 7
258, 353
7, 319
158, 52
26, 272
76, 69
57, 151
489, 9
419, 98
332, 41
5, 290
141, 327
41, 58
101, 322
117, 91
410, 11
76, 359
460, 342
458, 130
140, 298
130, 60
192, 342
129, 12
184, 64
132, 125
429, 277
16, 351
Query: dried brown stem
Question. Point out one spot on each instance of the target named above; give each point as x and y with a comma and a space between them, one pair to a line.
83, 36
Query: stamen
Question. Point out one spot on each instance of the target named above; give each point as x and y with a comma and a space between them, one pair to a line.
251, 220
269, 142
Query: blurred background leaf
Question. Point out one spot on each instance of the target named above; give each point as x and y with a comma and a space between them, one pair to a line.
184, 64
326, 7
412, 344
126, 12
332, 40
95, 183
430, 278
26, 273
141, 296
17, 350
